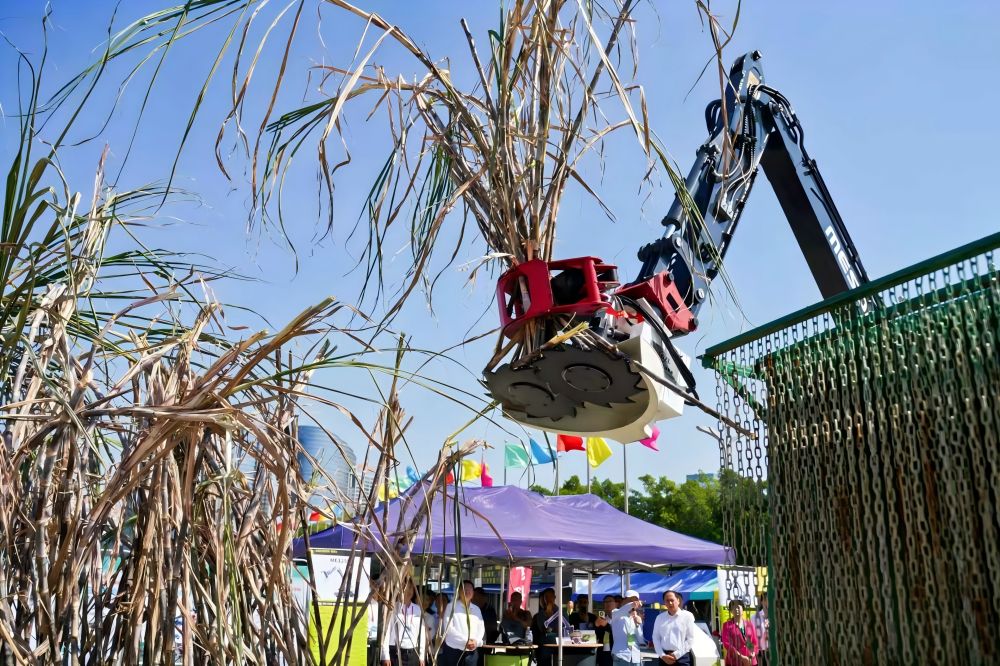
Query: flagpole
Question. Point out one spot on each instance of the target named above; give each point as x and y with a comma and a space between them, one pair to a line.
555, 461
625, 467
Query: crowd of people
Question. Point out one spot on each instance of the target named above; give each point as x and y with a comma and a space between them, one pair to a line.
453, 632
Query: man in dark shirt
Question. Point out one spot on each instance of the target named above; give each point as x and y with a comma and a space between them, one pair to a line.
490, 620
602, 627
582, 618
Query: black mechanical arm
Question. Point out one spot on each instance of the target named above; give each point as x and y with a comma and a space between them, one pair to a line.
625, 373
755, 126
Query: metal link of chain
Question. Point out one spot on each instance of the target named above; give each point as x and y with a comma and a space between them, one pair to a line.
872, 488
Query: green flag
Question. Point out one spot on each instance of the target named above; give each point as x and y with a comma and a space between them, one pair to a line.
515, 455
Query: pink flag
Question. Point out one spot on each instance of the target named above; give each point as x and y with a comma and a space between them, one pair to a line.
520, 581
484, 477
650, 442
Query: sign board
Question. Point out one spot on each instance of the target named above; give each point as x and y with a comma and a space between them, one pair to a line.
330, 569
357, 655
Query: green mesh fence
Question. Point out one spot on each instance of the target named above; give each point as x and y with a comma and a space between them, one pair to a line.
867, 461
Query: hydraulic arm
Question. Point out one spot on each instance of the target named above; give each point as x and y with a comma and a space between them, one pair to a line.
622, 372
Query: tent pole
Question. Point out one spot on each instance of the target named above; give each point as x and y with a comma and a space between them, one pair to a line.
559, 609
503, 601
590, 590
625, 468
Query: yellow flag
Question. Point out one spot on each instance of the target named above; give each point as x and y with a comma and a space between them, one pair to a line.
597, 451
393, 491
471, 470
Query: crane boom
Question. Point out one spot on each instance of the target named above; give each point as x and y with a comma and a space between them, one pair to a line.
621, 372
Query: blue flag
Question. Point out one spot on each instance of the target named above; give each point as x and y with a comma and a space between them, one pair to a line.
541, 455
412, 476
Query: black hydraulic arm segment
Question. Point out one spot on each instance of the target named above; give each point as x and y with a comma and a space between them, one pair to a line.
753, 127
805, 200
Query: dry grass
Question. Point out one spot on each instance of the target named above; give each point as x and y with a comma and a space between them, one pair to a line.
550, 84
124, 513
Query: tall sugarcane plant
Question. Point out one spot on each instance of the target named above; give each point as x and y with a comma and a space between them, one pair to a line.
497, 150
130, 531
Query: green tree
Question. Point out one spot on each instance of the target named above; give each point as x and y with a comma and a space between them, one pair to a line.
609, 491
692, 507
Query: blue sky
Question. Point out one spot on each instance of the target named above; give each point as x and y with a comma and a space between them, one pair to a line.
896, 99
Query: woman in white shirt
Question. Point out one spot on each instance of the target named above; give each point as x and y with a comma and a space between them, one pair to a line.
404, 641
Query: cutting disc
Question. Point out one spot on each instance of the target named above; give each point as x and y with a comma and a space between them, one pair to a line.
562, 380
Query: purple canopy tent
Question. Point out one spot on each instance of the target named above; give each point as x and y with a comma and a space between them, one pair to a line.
534, 528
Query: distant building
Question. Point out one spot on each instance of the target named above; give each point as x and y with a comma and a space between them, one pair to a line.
329, 466
702, 476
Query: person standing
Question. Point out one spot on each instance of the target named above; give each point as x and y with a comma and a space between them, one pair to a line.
482, 600
673, 632
490, 622
626, 629
515, 620
762, 625
739, 638
582, 618
547, 608
434, 623
404, 640
464, 629
602, 627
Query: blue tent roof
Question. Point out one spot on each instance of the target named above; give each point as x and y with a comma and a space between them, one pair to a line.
692, 583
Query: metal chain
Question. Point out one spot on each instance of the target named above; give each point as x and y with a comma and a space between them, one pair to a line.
873, 483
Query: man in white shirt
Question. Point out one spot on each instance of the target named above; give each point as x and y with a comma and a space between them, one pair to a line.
626, 630
673, 632
464, 629
404, 641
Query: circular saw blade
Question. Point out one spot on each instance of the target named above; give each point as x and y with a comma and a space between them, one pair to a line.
565, 379
522, 391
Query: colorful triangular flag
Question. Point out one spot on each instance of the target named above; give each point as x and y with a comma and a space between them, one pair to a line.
541, 456
393, 492
484, 476
450, 479
471, 470
650, 442
412, 476
597, 451
569, 443
516, 456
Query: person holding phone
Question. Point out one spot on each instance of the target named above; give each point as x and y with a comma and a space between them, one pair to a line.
626, 630
602, 627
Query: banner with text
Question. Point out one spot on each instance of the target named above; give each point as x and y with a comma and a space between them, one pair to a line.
520, 581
